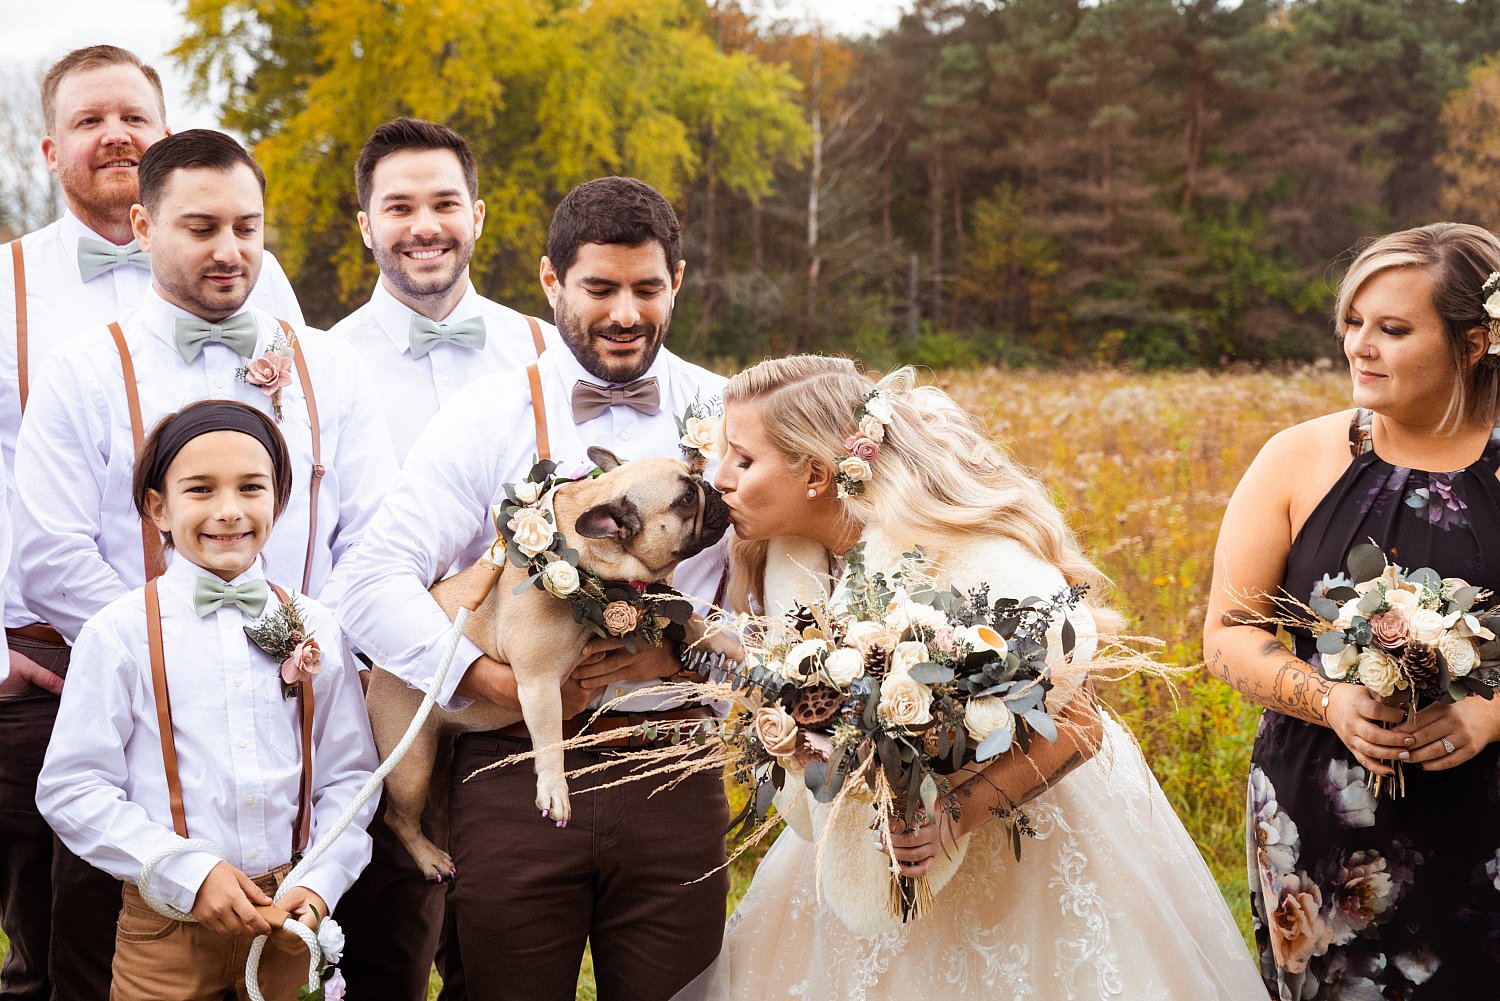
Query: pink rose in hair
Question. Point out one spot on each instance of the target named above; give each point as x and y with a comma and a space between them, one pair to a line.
861, 447
306, 660
271, 372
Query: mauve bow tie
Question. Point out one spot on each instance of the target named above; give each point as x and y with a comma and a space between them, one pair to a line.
590, 400
96, 257
426, 334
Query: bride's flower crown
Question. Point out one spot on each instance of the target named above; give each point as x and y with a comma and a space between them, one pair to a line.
1491, 295
853, 468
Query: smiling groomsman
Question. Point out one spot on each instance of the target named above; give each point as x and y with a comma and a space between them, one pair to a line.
424, 335
102, 108
78, 539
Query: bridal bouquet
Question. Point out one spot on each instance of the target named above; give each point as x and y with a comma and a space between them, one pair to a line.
1407, 636
897, 685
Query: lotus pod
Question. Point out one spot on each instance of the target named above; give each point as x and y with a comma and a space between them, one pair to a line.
817, 704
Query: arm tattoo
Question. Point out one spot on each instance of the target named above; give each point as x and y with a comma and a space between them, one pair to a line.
1296, 690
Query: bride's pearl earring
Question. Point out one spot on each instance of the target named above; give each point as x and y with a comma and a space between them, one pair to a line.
811, 493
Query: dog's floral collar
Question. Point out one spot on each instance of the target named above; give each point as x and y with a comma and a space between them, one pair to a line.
623, 610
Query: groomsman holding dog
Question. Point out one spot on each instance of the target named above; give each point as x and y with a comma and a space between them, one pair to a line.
102, 108
424, 335
620, 876
193, 336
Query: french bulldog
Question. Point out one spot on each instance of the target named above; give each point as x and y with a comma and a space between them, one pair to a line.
635, 522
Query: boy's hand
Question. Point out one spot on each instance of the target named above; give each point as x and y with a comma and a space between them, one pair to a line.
308, 908
226, 903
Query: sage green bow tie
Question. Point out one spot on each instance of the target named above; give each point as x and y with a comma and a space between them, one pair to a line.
425, 334
96, 257
210, 594
236, 332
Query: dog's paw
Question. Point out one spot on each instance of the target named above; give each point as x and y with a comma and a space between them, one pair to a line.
552, 800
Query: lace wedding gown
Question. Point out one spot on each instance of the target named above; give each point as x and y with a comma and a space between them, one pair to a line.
1110, 900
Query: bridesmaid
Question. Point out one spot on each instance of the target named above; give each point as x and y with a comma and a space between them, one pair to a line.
1356, 896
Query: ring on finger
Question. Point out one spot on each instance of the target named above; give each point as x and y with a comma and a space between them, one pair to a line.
1448, 746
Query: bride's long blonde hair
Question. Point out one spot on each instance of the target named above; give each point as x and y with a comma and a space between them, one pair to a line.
938, 477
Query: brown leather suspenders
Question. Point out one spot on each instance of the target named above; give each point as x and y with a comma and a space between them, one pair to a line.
150, 538
18, 269
536, 335
538, 404
302, 825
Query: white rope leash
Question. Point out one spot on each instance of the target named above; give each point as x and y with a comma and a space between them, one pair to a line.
370, 789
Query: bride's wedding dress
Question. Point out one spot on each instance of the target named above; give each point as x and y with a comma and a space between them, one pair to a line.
1111, 899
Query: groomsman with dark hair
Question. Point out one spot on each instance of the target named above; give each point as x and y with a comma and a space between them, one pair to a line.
425, 334
193, 336
102, 108
624, 876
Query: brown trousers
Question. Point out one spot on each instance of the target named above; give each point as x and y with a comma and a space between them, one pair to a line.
620, 877
157, 958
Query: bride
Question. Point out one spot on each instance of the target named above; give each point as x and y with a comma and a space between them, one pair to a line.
1110, 899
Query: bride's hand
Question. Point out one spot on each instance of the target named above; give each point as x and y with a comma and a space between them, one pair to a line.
916, 847
1468, 727
1356, 715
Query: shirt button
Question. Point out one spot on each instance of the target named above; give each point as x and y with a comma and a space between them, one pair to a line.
624, 435
443, 380
249, 800
619, 692
255, 853
218, 383
244, 743
238, 682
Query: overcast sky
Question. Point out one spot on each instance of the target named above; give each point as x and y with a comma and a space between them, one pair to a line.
37, 32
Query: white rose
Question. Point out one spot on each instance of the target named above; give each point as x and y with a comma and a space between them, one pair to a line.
1426, 625
527, 492
871, 428
843, 666
533, 532
984, 716
906, 655
1459, 652
855, 468
802, 659
1492, 305
1402, 600
981, 638
560, 578
331, 941
1378, 672
904, 702
1347, 612
1337, 665
701, 433
880, 409
859, 630
926, 616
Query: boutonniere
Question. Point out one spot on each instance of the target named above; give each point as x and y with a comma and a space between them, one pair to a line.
283, 635
699, 428
272, 371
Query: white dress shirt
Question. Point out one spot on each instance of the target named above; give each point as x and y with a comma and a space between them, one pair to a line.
103, 786
438, 516
60, 307
412, 390
77, 533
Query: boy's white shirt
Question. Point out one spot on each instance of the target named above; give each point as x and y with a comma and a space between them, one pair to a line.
77, 533
103, 785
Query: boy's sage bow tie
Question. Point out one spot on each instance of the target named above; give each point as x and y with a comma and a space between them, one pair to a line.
210, 594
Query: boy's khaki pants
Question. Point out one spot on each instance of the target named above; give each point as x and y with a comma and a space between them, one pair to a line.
157, 958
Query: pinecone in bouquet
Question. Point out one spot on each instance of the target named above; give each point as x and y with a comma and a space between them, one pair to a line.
816, 705
1420, 666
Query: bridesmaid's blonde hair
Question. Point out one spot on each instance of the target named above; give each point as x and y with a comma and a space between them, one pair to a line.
938, 477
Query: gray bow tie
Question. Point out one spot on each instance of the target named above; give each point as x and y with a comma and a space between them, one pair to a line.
237, 332
590, 400
96, 257
210, 594
425, 334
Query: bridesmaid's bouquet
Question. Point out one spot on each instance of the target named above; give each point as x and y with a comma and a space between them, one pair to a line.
1408, 636
892, 686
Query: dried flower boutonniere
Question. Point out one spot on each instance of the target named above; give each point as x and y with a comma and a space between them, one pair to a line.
283, 635
272, 371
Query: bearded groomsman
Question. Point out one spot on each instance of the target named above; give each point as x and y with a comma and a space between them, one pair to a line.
424, 335
78, 539
620, 876
103, 109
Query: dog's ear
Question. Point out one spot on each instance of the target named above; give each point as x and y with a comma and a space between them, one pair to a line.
603, 458
618, 519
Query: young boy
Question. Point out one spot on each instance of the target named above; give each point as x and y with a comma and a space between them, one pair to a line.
205, 739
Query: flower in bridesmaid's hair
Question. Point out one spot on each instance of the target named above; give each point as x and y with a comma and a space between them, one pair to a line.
306, 660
